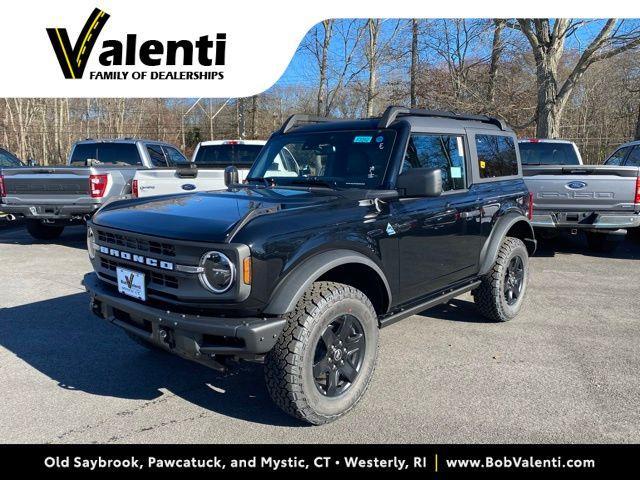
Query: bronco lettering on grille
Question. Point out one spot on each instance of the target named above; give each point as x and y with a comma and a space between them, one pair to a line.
132, 257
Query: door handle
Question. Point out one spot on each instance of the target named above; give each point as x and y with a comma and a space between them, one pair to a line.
470, 214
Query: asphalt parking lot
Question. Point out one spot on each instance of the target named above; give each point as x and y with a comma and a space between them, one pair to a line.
566, 370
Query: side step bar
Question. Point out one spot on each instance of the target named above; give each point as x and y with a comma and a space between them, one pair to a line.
443, 298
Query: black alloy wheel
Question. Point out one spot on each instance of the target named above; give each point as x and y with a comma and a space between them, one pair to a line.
338, 355
514, 279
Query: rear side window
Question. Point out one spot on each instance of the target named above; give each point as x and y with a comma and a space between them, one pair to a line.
174, 156
108, 154
438, 151
496, 156
633, 160
548, 153
618, 156
8, 160
157, 156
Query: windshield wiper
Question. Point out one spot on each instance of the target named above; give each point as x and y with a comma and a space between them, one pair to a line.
266, 181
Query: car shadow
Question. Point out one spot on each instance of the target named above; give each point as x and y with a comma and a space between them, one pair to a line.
16, 234
629, 248
456, 310
61, 339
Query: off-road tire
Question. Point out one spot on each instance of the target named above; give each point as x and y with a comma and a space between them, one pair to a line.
489, 296
289, 365
602, 242
40, 231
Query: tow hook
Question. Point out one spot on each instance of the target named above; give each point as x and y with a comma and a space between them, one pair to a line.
166, 335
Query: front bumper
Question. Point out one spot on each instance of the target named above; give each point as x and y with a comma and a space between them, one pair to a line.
50, 212
585, 220
195, 337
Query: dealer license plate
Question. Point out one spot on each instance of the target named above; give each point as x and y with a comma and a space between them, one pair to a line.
131, 283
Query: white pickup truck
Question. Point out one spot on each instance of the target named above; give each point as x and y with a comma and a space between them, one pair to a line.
205, 171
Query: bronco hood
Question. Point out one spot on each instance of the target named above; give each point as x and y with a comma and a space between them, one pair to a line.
205, 216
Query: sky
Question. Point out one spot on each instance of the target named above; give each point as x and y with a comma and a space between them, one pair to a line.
302, 69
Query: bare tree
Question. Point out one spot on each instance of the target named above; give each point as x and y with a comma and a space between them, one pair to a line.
547, 38
496, 51
459, 44
371, 52
376, 52
414, 62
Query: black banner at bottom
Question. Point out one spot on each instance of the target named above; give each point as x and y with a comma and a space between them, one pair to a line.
427, 461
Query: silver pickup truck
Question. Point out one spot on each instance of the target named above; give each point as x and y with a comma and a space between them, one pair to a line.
603, 201
97, 172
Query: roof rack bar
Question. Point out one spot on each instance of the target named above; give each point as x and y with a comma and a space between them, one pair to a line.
392, 113
301, 119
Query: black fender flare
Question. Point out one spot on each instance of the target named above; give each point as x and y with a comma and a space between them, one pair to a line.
292, 287
489, 251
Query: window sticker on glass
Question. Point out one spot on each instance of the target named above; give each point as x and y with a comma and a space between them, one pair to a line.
483, 164
379, 139
460, 147
456, 172
362, 139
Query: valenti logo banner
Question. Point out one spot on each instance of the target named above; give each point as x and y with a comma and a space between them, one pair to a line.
146, 48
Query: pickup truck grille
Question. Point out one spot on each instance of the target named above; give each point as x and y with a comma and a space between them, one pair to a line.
48, 186
135, 243
154, 277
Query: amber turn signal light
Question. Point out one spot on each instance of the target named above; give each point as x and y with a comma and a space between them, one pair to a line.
246, 271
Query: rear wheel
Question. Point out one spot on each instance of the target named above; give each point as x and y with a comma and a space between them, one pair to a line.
602, 242
324, 360
40, 231
502, 290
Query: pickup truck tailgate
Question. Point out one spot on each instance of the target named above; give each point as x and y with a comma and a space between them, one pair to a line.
56, 185
583, 188
163, 181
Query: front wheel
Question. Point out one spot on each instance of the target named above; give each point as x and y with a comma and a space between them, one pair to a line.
40, 231
501, 293
323, 361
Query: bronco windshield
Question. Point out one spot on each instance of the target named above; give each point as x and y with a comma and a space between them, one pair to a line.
343, 159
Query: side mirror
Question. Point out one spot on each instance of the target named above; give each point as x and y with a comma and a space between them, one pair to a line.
231, 176
420, 182
32, 163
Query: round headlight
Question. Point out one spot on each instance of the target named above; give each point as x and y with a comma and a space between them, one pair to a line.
91, 243
218, 272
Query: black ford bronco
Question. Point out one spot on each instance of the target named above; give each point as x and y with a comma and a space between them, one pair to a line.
342, 227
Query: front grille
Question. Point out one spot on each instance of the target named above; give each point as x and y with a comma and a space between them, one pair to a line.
154, 277
135, 243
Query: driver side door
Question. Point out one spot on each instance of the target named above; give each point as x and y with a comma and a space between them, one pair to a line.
439, 237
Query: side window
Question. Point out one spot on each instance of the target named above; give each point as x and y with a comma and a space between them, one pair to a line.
8, 160
618, 157
496, 156
445, 152
174, 156
157, 156
633, 160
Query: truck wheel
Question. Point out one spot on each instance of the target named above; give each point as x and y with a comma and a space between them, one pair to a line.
602, 242
501, 294
40, 231
324, 359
